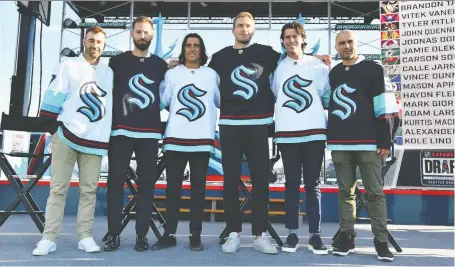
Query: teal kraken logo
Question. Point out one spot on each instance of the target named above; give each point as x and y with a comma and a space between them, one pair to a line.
340, 96
90, 94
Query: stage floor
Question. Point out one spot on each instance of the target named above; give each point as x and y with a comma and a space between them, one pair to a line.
422, 246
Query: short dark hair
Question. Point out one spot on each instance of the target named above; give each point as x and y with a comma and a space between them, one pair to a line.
203, 53
297, 27
141, 19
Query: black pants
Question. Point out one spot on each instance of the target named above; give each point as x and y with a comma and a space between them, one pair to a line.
253, 141
175, 168
120, 151
309, 156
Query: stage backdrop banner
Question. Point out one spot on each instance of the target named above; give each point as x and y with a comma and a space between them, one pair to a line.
427, 168
427, 54
389, 17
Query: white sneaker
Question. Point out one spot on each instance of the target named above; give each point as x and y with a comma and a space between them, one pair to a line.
88, 244
43, 247
264, 245
232, 243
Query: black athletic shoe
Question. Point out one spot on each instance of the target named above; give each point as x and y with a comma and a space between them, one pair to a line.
291, 244
345, 244
142, 243
382, 251
316, 246
195, 242
166, 241
112, 243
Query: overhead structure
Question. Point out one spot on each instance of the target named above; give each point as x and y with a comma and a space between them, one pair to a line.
218, 15
216, 12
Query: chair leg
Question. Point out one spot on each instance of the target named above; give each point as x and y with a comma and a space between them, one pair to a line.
223, 235
23, 193
394, 243
335, 238
155, 228
274, 235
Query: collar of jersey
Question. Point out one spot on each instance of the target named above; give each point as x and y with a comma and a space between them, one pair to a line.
250, 44
287, 58
82, 59
183, 66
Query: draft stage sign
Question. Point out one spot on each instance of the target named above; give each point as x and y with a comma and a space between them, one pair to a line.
437, 168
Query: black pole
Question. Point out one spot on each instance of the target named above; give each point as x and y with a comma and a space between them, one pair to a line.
21, 82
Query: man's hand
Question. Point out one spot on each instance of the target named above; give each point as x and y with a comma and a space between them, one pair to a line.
325, 58
383, 152
173, 63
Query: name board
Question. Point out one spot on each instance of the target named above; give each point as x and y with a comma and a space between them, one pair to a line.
427, 61
390, 50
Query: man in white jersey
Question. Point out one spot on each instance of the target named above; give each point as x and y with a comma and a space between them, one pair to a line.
192, 94
79, 97
299, 82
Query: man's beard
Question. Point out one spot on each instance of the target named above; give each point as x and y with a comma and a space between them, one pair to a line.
88, 52
141, 45
347, 56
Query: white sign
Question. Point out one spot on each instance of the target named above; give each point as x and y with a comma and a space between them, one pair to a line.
427, 57
16, 142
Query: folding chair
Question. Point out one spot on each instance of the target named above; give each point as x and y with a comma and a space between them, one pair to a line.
129, 212
22, 190
361, 203
248, 194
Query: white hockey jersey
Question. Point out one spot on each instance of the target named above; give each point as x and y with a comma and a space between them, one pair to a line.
79, 96
298, 86
193, 97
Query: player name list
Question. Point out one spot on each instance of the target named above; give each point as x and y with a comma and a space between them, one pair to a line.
427, 55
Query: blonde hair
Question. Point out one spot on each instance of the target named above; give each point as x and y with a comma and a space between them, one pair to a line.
242, 15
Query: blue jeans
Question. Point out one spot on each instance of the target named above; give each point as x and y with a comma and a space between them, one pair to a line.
308, 155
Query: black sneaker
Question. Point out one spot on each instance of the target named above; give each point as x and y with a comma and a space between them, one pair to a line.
291, 244
315, 245
112, 243
195, 242
383, 252
166, 241
345, 244
142, 243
